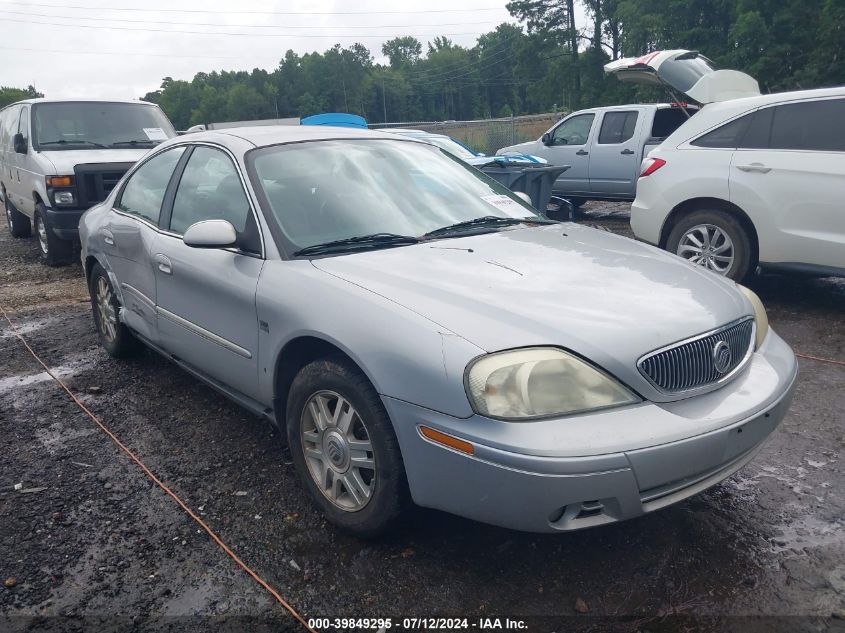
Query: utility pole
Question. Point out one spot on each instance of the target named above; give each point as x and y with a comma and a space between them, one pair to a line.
383, 99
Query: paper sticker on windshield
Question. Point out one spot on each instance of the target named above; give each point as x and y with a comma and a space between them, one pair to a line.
505, 204
155, 134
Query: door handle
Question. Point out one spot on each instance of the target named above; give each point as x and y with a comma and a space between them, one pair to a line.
627, 152
581, 152
164, 265
108, 237
758, 167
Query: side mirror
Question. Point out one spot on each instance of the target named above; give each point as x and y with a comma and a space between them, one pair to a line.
20, 143
546, 139
210, 234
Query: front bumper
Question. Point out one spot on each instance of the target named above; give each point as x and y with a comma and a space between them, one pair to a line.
64, 222
570, 480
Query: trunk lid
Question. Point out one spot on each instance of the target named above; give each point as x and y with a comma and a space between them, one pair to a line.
687, 72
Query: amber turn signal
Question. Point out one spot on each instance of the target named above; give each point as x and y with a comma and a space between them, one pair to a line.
447, 440
59, 181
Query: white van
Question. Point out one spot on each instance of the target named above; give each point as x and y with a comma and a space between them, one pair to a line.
60, 157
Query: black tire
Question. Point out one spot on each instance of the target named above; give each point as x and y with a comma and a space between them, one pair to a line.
19, 224
389, 498
742, 252
123, 344
577, 202
54, 251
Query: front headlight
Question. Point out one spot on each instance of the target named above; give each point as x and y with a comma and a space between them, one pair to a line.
760, 316
540, 382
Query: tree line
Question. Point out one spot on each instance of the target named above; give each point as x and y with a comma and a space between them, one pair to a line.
544, 61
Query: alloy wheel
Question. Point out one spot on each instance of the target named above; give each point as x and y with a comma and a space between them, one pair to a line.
105, 309
338, 450
709, 246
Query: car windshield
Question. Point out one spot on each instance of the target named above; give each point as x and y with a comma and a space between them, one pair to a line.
323, 191
93, 125
450, 145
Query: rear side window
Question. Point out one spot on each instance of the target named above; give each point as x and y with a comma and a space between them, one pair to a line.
727, 136
617, 127
811, 125
144, 191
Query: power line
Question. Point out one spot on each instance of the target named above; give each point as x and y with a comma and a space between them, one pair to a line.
119, 53
230, 33
246, 12
252, 26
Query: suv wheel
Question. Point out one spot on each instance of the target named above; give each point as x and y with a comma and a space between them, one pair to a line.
115, 337
344, 448
715, 240
54, 250
19, 225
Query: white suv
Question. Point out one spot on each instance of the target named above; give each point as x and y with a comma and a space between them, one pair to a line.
751, 181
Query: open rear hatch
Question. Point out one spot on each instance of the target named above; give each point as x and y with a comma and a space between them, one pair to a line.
687, 72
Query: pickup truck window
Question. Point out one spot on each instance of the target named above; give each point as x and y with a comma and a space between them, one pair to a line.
617, 127
667, 120
573, 131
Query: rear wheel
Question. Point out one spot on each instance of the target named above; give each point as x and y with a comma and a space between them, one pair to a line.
54, 250
344, 448
715, 240
19, 225
115, 337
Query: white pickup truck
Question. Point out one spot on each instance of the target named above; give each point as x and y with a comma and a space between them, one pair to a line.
605, 147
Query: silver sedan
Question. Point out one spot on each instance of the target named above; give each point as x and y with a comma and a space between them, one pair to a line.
423, 335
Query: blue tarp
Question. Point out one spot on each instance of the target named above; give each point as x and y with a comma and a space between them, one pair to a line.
336, 119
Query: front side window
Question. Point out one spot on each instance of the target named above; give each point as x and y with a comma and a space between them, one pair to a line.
617, 127
573, 131
23, 125
92, 125
322, 191
810, 125
144, 191
210, 189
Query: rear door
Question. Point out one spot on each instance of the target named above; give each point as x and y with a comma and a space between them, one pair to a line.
569, 144
205, 297
129, 234
789, 175
615, 153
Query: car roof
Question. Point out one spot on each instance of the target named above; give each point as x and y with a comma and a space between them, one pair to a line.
262, 136
85, 100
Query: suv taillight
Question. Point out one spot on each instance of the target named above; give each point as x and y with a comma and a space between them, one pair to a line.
651, 165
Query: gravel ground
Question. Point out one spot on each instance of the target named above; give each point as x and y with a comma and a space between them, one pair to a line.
89, 543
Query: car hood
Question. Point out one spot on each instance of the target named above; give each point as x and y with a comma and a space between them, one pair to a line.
688, 72
65, 160
603, 296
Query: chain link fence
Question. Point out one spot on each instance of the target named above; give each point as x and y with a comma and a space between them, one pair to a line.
485, 135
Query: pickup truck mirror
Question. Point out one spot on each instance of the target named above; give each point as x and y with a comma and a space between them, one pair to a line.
546, 139
20, 143
210, 234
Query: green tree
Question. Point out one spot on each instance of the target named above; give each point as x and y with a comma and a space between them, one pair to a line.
10, 95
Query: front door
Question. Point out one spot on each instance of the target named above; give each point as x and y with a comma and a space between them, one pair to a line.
569, 144
615, 156
129, 234
206, 296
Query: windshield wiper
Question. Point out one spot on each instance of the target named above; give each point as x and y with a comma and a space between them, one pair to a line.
486, 221
136, 141
360, 242
65, 141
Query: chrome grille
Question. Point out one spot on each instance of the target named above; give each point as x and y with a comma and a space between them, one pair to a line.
690, 365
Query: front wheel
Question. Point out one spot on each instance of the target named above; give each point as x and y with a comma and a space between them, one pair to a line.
54, 250
344, 448
115, 337
715, 240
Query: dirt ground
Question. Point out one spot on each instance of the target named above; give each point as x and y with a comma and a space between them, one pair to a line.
88, 543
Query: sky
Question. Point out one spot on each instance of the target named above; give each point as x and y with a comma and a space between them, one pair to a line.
122, 49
